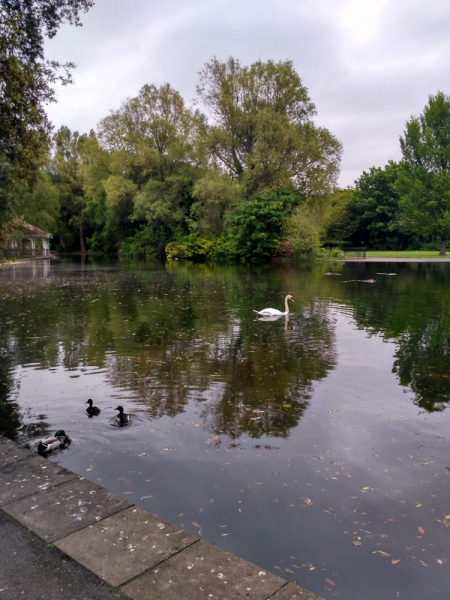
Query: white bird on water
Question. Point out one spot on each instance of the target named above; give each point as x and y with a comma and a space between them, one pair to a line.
273, 312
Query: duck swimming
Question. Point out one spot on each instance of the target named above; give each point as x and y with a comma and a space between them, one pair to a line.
59, 440
92, 411
122, 417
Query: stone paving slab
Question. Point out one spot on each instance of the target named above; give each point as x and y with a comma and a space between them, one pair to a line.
22, 477
204, 572
292, 592
9, 451
62, 510
31, 570
125, 545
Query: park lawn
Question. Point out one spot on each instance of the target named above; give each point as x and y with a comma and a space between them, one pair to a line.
404, 254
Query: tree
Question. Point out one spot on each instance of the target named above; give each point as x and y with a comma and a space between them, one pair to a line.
26, 80
256, 225
424, 178
66, 176
153, 163
339, 223
260, 128
374, 209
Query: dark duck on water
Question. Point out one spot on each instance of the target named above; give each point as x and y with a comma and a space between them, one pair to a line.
122, 417
59, 440
92, 411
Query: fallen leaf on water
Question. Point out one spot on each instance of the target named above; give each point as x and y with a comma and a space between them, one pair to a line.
381, 553
275, 567
422, 531
196, 524
329, 581
419, 505
168, 448
357, 543
143, 454
125, 493
289, 571
394, 562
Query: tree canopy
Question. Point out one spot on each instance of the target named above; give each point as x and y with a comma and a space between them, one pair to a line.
424, 180
26, 87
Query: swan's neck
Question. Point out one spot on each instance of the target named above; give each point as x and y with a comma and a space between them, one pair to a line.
286, 306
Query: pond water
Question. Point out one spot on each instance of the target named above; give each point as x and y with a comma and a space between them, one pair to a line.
316, 447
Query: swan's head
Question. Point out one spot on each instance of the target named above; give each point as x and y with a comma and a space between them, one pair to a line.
119, 408
89, 402
290, 298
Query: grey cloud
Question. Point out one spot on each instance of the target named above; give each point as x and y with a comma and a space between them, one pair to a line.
364, 91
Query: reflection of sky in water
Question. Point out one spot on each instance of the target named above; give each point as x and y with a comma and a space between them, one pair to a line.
294, 447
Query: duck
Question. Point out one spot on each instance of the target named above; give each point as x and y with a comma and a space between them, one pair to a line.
273, 312
92, 411
59, 440
122, 417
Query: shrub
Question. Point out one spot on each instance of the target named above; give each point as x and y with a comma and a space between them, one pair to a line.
302, 240
193, 247
256, 225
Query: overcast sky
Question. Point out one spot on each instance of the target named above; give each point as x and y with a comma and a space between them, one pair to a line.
368, 64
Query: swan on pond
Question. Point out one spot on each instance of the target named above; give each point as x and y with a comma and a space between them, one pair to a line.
273, 312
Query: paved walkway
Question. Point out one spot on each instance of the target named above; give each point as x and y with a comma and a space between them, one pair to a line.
66, 537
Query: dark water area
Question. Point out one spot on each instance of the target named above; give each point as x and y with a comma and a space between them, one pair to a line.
316, 447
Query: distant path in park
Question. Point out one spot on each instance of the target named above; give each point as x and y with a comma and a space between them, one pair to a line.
380, 259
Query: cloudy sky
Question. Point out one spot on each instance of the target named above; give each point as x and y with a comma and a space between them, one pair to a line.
368, 64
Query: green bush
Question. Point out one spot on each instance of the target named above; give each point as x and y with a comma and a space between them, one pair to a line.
193, 247
256, 225
302, 240
142, 244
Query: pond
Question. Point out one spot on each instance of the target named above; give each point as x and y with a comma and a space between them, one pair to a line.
316, 447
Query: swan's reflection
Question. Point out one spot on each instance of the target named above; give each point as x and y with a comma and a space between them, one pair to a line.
275, 318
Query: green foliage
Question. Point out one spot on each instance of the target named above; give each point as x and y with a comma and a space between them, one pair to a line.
424, 177
260, 128
214, 194
142, 244
256, 226
26, 88
39, 207
339, 222
302, 241
374, 209
193, 247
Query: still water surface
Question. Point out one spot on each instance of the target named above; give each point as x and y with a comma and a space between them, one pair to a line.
316, 447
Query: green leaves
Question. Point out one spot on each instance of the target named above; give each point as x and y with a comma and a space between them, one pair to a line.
424, 179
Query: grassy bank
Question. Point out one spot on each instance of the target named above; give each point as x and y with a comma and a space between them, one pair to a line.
404, 254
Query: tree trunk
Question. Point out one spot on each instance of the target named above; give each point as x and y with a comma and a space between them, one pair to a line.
443, 252
62, 242
82, 244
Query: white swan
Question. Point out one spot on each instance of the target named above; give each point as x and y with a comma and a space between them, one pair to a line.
273, 312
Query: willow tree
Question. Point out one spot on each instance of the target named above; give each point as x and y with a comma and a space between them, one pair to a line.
260, 130
424, 179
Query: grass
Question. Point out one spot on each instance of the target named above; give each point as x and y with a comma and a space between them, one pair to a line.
405, 254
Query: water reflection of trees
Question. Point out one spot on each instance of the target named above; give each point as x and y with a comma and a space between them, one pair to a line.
413, 310
174, 334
